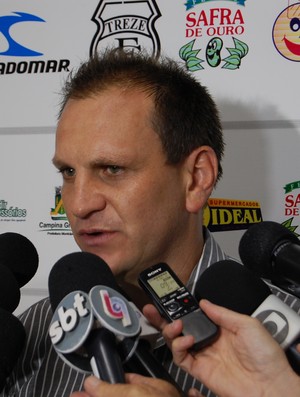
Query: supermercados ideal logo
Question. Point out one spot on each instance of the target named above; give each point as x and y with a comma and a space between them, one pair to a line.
228, 214
58, 224
286, 32
214, 36
126, 24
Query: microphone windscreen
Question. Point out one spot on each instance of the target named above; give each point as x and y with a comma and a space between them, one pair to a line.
19, 255
78, 271
9, 290
229, 284
12, 340
258, 244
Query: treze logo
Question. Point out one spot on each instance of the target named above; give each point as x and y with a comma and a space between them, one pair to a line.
127, 25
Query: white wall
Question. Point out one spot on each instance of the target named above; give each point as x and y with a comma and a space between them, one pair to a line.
259, 104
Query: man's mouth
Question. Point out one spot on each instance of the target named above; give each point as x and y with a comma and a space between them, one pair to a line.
95, 236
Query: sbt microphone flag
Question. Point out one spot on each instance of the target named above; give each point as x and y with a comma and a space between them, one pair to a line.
75, 316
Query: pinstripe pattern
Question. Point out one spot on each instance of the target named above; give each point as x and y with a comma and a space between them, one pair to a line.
212, 253
41, 373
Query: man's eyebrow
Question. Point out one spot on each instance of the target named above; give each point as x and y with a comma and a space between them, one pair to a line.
57, 162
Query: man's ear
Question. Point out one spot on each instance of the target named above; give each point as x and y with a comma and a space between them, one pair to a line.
202, 172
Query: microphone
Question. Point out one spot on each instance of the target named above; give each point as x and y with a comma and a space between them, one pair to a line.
19, 255
9, 290
73, 325
91, 274
18, 264
272, 251
12, 339
229, 284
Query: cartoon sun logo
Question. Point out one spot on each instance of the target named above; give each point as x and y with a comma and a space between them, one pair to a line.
286, 32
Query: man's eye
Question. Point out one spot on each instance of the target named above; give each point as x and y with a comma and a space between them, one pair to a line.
67, 172
114, 169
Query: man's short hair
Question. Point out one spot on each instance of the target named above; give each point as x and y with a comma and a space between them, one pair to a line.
185, 115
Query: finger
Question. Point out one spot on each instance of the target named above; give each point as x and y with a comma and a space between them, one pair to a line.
98, 388
180, 350
223, 317
93, 385
159, 386
152, 315
172, 330
194, 393
134, 378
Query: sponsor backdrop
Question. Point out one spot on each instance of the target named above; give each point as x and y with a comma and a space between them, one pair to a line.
247, 52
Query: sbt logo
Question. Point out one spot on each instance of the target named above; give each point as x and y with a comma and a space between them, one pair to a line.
71, 322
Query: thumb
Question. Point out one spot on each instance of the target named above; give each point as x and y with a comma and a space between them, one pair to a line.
194, 393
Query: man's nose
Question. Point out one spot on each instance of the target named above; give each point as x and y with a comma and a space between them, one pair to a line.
87, 198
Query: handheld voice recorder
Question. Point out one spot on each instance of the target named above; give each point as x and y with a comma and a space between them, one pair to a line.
173, 300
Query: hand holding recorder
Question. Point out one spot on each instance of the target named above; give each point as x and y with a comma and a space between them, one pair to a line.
244, 360
173, 301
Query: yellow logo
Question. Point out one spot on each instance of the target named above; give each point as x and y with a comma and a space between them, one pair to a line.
229, 214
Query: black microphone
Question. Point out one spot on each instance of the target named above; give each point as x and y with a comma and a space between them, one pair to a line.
272, 251
87, 272
9, 290
12, 340
19, 255
73, 325
229, 284
18, 264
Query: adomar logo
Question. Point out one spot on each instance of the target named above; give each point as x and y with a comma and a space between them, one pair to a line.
12, 44
126, 24
15, 48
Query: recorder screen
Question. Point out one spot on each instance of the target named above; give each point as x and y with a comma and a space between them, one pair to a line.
163, 284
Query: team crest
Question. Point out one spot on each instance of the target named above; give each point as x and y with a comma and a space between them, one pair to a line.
126, 24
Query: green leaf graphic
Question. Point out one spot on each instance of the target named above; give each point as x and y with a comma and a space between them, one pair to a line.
185, 50
239, 45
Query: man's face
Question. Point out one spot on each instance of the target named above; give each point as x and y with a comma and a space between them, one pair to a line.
124, 202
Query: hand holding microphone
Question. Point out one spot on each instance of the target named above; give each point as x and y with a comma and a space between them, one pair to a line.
75, 331
84, 295
244, 361
244, 346
136, 385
